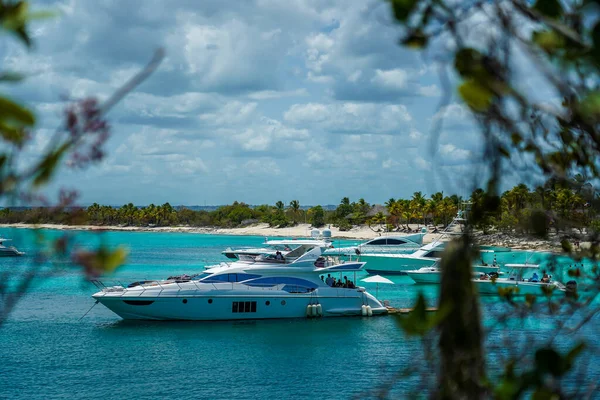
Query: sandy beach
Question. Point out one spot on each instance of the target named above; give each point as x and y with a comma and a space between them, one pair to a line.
303, 230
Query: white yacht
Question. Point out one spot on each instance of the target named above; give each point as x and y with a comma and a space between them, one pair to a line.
272, 247
433, 274
9, 251
396, 244
523, 279
258, 289
426, 256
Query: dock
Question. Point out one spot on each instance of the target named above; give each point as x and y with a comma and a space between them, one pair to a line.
392, 310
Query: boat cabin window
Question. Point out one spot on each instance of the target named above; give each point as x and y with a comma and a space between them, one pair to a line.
434, 254
229, 278
243, 307
385, 242
275, 280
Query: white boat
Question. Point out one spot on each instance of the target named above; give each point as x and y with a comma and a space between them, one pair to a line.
284, 246
433, 274
9, 251
523, 279
392, 244
262, 289
426, 256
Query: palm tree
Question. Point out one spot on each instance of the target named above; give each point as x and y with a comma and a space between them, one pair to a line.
280, 205
295, 209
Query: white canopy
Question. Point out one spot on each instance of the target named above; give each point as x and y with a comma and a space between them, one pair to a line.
377, 279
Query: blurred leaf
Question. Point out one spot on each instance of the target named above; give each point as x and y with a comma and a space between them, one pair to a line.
13, 17
547, 360
403, 8
590, 106
549, 41
13, 114
566, 246
469, 63
538, 221
415, 39
478, 97
550, 8
48, 165
100, 261
419, 320
596, 41
10, 76
12, 135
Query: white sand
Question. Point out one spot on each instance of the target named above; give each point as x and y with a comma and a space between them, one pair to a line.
300, 230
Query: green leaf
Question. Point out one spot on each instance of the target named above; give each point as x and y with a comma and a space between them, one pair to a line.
11, 134
590, 106
469, 63
547, 360
549, 8
13, 114
9, 76
48, 165
403, 8
549, 41
415, 39
420, 320
478, 97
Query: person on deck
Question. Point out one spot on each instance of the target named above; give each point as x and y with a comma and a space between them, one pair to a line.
545, 277
534, 278
279, 256
329, 280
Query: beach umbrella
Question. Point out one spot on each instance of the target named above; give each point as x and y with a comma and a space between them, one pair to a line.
377, 279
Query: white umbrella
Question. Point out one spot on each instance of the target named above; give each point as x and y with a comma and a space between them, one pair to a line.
377, 279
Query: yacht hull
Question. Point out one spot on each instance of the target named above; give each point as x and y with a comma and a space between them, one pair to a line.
520, 288
216, 307
394, 265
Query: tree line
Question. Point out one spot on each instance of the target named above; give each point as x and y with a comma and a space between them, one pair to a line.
553, 206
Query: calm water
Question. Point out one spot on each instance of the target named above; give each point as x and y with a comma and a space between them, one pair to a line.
47, 352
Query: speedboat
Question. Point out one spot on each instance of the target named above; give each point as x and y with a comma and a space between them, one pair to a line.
284, 246
261, 289
397, 244
523, 279
433, 274
9, 251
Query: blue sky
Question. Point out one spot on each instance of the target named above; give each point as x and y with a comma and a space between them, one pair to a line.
256, 101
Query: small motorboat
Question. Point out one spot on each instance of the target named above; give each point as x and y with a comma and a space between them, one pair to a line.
9, 251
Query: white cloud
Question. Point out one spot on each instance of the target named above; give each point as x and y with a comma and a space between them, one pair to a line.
392, 79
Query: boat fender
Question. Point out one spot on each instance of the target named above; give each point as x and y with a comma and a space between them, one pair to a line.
363, 310
309, 311
369, 311
319, 310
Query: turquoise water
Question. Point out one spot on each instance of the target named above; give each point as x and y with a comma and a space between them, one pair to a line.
47, 352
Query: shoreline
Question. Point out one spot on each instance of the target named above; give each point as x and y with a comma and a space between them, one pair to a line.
301, 230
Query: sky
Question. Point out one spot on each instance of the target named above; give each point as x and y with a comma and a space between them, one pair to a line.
255, 101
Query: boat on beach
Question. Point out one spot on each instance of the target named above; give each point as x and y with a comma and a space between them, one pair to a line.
10, 251
261, 288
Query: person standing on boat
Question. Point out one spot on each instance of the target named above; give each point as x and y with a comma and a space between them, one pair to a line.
329, 280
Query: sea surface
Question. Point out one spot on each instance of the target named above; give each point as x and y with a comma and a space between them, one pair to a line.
50, 350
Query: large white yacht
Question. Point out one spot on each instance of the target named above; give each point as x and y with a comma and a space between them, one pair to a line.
10, 251
393, 244
248, 289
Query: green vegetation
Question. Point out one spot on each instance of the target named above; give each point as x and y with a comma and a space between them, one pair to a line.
559, 206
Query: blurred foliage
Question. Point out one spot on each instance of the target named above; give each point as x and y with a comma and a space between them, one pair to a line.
77, 142
488, 51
